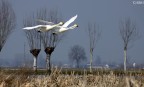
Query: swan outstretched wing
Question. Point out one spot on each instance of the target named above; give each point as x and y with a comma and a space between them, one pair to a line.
69, 21
43, 21
33, 27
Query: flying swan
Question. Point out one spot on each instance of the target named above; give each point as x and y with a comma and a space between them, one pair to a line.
63, 28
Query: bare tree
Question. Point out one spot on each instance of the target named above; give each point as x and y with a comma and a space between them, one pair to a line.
94, 35
7, 21
33, 38
49, 40
77, 53
129, 33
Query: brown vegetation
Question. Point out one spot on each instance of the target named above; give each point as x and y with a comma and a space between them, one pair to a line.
57, 79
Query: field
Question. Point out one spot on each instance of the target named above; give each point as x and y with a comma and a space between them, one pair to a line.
71, 78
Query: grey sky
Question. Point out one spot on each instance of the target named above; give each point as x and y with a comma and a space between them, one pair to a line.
106, 13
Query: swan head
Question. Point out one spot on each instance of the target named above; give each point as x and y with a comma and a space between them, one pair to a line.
75, 25
61, 23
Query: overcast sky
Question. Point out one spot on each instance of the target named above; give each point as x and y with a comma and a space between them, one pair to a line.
106, 13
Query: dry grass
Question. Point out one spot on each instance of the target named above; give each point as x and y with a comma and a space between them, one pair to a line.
56, 79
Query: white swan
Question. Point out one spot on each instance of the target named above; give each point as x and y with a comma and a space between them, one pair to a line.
44, 28
63, 28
